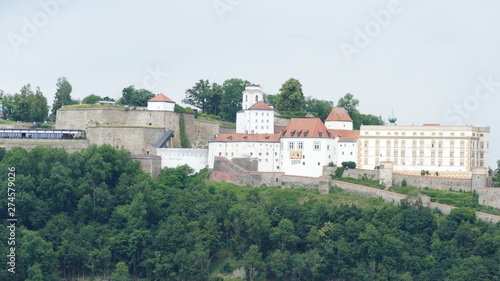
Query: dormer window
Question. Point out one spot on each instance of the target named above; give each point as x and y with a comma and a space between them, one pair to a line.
305, 133
320, 134
292, 133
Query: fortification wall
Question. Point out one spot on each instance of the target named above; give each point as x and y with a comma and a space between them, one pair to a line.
353, 173
370, 192
225, 170
150, 164
489, 196
199, 132
173, 157
322, 184
137, 140
226, 130
438, 183
69, 145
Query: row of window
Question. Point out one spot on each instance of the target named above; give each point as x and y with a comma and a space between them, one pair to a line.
300, 145
415, 163
441, 134
422, 143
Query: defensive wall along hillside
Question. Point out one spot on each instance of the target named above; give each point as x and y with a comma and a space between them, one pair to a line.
199, 132
225, 170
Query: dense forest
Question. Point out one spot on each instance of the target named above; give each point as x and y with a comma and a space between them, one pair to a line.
94, 214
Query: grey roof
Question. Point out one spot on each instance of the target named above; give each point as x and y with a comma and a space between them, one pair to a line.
169, 134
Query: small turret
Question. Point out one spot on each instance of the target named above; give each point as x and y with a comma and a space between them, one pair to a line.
392, 118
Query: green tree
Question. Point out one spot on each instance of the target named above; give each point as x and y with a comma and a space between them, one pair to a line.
35, 273
204, 96
321, 107
135, 97
38, 106
91, 99
291, 97
231, 98
253, 262
7, 106
270, 99
284, 233
349, 103
63, 95
121, 272
27, 105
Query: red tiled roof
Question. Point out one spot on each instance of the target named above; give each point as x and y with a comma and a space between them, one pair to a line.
161, 97
338, 114
278, 129
239, 137
345, 135
306, 128
260, 105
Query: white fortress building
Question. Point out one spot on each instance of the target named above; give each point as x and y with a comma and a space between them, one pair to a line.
451, 151
161, 103
305, 145
302, 148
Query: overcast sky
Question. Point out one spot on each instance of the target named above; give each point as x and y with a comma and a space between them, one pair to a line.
430, 61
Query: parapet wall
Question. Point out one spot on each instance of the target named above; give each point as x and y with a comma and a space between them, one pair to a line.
370, 192
353, 173
225, 170
438, 183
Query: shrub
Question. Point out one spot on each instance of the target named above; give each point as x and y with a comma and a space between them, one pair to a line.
331, 164
349, 164
403, 182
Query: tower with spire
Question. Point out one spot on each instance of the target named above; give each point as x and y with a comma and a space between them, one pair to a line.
392, 119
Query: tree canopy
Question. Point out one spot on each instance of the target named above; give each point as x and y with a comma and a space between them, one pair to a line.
95, 213
232, 90
92, 99
291, 97
26, 106
63, 95
135, 97
350, 104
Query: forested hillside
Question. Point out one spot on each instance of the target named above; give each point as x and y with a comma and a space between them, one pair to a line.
96, 214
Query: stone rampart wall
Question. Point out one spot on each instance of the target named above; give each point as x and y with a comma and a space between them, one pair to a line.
353, 173
225, 170
489, 196
150, 164
370, 192
69, 145
137, 140
199, 132
438, 183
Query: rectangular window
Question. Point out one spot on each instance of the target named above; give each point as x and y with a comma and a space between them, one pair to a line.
317, 145
300, 145
291, 145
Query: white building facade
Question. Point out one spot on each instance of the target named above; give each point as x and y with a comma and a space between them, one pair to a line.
448, 150
258, 119
264, 147
161, 103
306, 146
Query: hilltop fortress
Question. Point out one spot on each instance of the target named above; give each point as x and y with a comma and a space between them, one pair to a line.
452, 156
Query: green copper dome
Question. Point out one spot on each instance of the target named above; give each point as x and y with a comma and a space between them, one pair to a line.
392, 118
